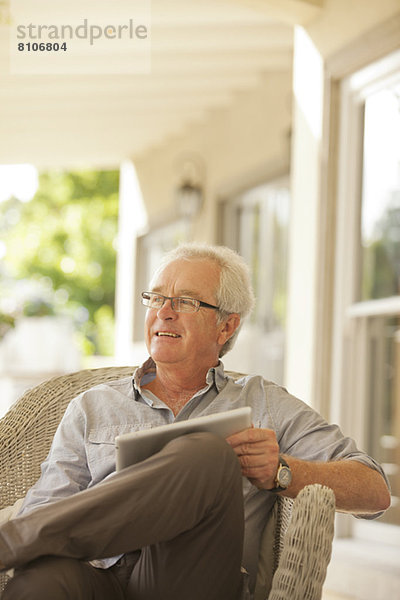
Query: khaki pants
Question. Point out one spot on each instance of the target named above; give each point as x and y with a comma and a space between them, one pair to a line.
182, 509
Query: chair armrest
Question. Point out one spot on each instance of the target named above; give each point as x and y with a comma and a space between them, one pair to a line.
307, 546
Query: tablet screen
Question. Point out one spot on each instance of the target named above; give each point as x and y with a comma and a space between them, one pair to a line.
136, 446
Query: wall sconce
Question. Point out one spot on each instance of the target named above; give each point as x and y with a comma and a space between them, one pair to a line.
189, 199
189, 192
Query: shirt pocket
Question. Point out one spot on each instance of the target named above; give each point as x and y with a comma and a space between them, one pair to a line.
100, 451
100, 448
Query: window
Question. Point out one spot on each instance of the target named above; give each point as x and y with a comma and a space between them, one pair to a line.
380, 216
380, 252
255, 224
383, 388
366, 387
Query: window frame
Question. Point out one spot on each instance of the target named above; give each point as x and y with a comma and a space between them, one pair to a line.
353, 319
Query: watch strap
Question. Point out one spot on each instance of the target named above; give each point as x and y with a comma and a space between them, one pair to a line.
282, 465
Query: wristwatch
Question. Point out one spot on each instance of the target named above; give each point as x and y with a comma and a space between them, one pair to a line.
283, 477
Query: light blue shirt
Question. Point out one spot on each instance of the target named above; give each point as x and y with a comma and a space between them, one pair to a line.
83, 451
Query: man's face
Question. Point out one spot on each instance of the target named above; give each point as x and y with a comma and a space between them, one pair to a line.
194, 339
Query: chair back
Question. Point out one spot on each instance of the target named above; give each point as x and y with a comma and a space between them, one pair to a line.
27, 429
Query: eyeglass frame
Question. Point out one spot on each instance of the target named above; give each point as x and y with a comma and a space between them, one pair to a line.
197, 306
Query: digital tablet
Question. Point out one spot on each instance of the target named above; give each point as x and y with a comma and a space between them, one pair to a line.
136, 446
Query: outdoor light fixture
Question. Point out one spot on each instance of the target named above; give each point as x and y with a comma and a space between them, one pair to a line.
189, 189
189, 199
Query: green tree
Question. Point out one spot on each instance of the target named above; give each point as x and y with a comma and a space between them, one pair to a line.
65, 238
381, 260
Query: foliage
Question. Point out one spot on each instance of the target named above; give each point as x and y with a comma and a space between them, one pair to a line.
7, 322
381, 257
64, 238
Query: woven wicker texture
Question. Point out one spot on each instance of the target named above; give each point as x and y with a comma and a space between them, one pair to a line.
307, 546
27, 429
283, 518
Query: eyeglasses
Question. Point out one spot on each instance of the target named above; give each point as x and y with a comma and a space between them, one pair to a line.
185, 305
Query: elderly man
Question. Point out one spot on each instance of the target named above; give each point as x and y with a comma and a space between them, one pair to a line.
186, 523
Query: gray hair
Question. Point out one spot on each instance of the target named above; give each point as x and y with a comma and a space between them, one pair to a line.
234, 293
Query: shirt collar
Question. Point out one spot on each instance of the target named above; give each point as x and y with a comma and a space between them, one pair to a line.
215, 375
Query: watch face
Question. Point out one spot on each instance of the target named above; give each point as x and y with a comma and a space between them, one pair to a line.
284, 477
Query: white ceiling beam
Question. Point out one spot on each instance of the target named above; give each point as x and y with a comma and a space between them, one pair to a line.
178, 63
45, 88
173, 12
101, 148
294, 12
167, 65
90, 123
217, 38
163, 12
144, 105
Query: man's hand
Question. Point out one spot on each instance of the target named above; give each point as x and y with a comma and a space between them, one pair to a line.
358, 489
258, 453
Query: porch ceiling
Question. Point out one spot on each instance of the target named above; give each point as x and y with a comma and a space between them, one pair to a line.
202, 56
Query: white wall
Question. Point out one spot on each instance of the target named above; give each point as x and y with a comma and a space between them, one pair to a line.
241, 145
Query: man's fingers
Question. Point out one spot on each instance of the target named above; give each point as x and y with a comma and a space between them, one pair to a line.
257, 451
255, 448
253, 441
252, 435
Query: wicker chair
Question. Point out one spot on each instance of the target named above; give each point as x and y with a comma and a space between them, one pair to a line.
299, 558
